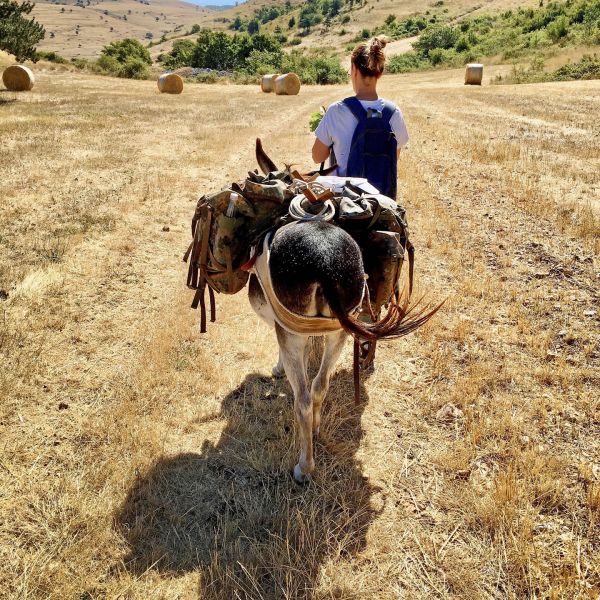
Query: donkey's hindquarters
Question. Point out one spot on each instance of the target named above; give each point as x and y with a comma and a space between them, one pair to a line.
315, 272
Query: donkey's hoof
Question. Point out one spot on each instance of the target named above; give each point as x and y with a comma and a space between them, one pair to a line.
299, 476
278, 371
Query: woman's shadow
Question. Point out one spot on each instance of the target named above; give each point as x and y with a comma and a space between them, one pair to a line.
233, 513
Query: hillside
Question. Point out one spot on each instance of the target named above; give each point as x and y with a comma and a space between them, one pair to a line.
104, 21
81, 29
352, 20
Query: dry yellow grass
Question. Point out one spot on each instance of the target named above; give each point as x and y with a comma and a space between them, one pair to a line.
76, 31
141, 460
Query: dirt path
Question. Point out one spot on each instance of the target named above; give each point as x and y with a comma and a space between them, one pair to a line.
142, 460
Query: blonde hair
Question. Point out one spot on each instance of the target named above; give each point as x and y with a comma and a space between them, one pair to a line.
368, 57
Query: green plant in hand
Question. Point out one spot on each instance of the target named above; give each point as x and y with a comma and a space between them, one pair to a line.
315, 119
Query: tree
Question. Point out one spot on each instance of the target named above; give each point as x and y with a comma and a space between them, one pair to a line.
127, 49
214, 50
253, 26
432, 39
181, 54
237, 24
18, 35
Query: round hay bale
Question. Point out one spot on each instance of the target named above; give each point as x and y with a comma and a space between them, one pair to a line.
287, 85
473, 74
18, 78
170, 83
267, 83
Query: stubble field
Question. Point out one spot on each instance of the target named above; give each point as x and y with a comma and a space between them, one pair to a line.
140, 459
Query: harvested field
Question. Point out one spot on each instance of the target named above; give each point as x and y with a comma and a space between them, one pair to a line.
142, 460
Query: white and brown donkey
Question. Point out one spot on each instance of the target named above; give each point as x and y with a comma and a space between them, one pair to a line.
311, 282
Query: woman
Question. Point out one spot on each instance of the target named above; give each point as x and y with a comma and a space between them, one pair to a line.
342, 120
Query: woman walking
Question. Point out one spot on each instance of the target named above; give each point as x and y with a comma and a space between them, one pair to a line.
364, 132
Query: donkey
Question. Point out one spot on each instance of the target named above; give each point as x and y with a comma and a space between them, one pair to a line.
311, 282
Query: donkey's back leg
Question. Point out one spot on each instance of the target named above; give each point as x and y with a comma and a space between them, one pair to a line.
334, 343
291, 351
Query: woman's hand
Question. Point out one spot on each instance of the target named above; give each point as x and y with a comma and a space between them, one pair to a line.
320, 152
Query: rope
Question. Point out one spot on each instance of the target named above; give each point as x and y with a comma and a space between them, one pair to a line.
299, 213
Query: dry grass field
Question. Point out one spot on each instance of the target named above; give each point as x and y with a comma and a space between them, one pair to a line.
142, 460
80, 31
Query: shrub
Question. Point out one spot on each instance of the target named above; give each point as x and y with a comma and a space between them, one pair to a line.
127, 49
108, 64
80, 63
262, 62
405, 63
441, 56
463, 44
52, 57
208, 77
134, 68
558, 29
588, 67
315, 68
436, 38
180, 55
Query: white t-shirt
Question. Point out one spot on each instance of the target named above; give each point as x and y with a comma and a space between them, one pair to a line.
338, 125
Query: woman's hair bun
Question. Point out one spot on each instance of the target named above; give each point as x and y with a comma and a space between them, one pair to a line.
376, 60
368, 57
380, 41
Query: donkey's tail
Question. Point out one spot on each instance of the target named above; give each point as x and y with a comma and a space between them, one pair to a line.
402, 317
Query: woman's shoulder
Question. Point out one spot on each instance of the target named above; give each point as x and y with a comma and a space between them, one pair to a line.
337, 106
390, 103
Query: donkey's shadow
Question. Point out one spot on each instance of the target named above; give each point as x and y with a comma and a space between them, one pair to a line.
233, 512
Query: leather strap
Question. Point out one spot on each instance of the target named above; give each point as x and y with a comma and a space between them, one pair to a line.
411, 265
356, 369
213, 308
290, 321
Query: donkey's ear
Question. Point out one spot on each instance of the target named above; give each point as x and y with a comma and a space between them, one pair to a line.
264, 162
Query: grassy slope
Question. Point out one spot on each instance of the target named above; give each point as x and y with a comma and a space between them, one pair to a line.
134, 449
94, 25
95, 31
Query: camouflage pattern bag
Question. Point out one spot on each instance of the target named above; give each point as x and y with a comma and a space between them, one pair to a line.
224, 228
378, 225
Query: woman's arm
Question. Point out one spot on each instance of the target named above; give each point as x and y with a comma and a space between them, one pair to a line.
320, 151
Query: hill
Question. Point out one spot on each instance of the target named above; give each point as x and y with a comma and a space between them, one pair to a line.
337, 34
83, 27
